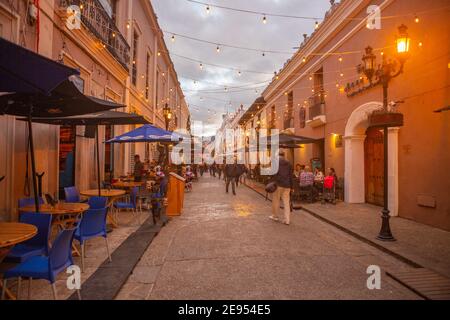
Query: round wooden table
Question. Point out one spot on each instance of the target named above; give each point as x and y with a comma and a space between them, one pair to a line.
72, 210
112, 195
59, 209
12, 233
127, 185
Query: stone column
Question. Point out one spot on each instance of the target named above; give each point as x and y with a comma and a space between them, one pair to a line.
354, 169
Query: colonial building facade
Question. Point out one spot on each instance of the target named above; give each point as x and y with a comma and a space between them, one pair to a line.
320, 93
120, 52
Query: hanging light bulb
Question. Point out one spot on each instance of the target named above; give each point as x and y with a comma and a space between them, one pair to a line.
201, 66
208, 9
416, 19
264, 20
173, 38
340, 59
317, 25
218, 49
239, 73
128, 25
304, 59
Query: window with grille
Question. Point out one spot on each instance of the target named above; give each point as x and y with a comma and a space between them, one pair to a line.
302, 117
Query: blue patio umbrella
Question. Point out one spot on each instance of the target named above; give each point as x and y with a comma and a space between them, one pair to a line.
23, 71
147, 133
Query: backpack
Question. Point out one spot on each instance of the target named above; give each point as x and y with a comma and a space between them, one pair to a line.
328, 182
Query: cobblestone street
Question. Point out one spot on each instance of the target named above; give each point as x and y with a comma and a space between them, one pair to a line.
225, 247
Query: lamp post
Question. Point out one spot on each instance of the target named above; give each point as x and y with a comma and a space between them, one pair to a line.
167, 117
386, 118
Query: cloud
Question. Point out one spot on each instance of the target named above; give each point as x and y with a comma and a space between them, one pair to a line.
234, 28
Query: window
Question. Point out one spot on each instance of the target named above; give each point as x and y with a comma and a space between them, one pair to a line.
302, 117
289, 111
134, 56
157, 89
147, 77
273, 118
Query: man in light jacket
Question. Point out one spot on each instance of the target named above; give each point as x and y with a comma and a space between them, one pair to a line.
284, 181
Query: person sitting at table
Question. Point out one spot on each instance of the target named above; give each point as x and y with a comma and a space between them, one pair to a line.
306, 177
298, 170
159, 172
318, 175
138, 168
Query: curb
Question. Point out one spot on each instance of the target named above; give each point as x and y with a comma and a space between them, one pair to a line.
353, 234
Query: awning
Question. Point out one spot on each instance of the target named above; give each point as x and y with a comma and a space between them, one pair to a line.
23, 71
100, 118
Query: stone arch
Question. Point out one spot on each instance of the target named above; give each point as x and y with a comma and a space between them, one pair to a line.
355, 135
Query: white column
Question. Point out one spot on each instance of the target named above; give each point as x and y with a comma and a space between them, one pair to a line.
393, 171
354, 169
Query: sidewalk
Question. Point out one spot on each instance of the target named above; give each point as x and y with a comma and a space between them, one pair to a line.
417, 244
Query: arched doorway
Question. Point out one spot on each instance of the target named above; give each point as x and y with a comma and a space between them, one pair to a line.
356, 132
374, 166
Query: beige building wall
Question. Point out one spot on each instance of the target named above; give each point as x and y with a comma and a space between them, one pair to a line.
104, 77
419, 151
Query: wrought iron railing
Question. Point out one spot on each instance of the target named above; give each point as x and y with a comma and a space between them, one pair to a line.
95, 18
316, 105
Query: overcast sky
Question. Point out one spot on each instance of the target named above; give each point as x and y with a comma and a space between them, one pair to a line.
237, 29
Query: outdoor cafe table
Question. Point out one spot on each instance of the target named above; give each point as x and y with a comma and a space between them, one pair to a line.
12, 233
127, 185
60, 209
112, 195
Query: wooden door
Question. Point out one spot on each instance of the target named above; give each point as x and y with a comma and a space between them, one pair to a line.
374, 164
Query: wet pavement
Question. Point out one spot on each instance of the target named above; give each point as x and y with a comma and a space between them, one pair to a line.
225, 247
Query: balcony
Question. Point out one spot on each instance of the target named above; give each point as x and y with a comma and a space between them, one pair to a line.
95, 18
316, 117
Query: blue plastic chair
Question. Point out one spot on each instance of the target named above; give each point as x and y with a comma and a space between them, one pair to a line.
36, 246
132, 205
97, 202
72, 195
42, 267
92, 225
25, 202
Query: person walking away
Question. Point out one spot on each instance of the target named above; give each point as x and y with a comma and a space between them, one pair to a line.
138, 168
231, 174
284, 182
219, 170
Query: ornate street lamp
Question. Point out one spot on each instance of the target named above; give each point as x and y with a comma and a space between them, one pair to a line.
369, 63
167, 115
387, 118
